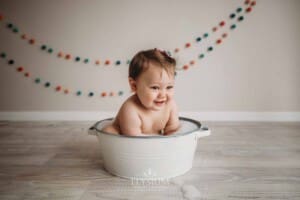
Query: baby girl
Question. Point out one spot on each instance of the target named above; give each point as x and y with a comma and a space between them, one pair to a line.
151, 109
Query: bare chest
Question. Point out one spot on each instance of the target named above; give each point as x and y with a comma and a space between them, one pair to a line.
154, 122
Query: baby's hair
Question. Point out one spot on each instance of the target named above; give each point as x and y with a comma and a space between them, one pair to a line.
142, 59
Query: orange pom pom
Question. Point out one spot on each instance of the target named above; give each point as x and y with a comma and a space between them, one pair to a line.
68, 57
32, 41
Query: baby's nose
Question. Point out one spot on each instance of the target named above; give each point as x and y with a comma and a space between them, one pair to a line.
162, 93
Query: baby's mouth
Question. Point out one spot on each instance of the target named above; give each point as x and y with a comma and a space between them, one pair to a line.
160, 103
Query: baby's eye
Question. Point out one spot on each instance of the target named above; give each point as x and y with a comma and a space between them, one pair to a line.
155, 87
170, 87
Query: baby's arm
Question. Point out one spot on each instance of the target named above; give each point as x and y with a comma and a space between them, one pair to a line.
173, 124
130, 122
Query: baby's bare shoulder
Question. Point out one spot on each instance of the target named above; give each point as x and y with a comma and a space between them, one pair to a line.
128, 109
129, 105
128, 118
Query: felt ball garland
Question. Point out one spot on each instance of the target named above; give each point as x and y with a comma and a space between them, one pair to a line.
237, 15
58, 87
219, 41
78, 59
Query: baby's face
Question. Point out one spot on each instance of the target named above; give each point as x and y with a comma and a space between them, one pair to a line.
155, 87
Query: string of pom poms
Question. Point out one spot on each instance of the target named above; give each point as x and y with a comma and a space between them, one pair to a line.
109, 62
240, 18
58, 87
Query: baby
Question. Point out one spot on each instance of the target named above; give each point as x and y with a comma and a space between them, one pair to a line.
151, 109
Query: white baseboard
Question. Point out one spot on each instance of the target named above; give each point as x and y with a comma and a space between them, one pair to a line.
201, 116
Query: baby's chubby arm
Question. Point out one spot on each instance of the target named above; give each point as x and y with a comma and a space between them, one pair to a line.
129, 121
173, 123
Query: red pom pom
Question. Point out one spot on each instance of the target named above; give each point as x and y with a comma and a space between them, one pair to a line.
214, 29
192, 62
219, 41
176, 50
58, 88
253, 3
103, 94
27, 74
187, 45
222, 23
66, 91
20, 69
185, 67
107, 62
97, 62
249, 9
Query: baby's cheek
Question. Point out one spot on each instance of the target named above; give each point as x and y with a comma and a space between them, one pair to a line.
170, 95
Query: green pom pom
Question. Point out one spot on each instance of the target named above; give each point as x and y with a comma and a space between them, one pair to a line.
205, 35
43, 47
239, 10
210, 48
16, 30
47, 84
78, 93
91, 94
50, 50
77, 59
10, 25
201, 56
11, 62
86, 60
241, 18
232, 16
37, 80
233, 26
3, 55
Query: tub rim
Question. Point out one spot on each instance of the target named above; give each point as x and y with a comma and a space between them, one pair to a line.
197, 123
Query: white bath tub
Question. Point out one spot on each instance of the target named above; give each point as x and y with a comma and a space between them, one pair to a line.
153, 157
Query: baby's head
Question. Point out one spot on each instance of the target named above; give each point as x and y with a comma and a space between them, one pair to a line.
143, 60
151, 77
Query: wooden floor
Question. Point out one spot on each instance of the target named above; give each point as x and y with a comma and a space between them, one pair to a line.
58, 160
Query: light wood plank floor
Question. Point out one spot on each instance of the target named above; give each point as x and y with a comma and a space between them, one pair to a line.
58, 160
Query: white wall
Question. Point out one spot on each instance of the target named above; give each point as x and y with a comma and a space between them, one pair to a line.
255, 69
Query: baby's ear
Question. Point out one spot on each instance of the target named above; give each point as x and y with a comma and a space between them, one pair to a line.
132, 84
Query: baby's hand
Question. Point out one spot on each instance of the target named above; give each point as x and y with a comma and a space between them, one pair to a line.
169, 130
